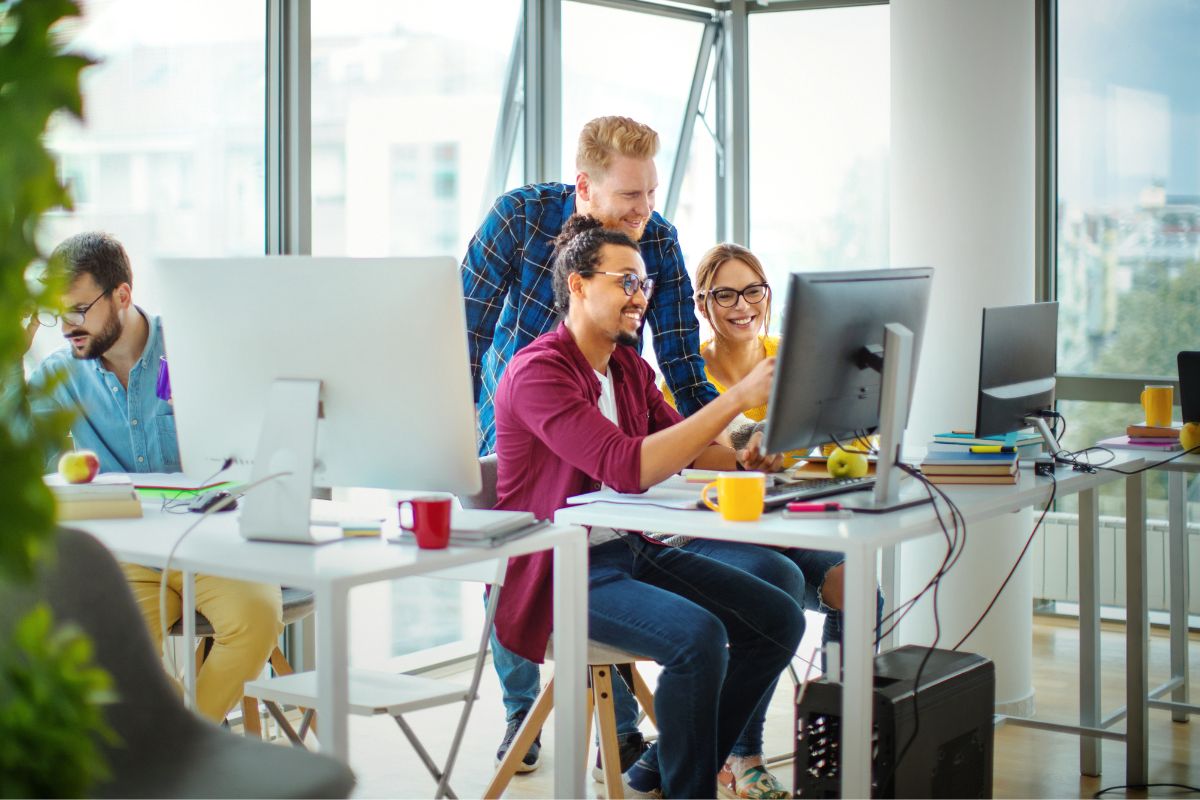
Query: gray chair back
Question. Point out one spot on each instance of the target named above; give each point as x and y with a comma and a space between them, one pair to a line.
163, 749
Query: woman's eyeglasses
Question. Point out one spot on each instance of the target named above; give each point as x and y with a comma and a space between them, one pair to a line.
630, 282
727, 298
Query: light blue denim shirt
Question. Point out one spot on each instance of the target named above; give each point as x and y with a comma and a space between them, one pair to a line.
131, 430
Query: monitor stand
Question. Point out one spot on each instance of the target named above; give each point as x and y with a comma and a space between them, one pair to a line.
893, 416
278, 510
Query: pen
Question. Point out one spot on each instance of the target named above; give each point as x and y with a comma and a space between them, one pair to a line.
993, 448
814, 507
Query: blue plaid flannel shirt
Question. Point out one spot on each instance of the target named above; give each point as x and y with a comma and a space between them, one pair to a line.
509, 293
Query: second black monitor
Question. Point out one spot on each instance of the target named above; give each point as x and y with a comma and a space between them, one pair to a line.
1017, 362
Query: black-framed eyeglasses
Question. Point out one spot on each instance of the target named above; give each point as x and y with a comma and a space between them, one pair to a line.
727, 298
73, 317
630, 283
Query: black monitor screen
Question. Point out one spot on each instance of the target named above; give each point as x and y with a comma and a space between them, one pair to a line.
823, 390
1017, 362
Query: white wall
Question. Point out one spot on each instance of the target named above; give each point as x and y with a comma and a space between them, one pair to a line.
962, 186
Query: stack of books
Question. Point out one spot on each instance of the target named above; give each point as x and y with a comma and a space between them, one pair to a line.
951, 464
1028, 443
1147, 437
108, 496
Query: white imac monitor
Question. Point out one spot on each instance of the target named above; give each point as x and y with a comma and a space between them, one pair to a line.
336, 371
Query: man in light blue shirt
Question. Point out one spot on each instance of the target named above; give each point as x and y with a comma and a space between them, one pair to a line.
107, 377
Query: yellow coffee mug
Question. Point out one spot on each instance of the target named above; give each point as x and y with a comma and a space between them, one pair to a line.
1157, 402
739, 495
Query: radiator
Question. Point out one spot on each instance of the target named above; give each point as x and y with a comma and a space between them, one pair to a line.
1055, 562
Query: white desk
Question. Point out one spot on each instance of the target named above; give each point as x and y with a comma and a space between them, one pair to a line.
331, 570
863, 537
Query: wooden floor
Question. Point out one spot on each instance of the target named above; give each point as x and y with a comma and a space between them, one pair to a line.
1028, 763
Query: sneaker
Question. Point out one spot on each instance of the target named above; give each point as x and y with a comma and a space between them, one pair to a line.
532, 757
631, 746
758, 784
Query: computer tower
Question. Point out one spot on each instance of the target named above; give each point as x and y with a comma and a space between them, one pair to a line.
951, 712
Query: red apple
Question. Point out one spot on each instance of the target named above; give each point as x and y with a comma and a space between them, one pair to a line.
78, 466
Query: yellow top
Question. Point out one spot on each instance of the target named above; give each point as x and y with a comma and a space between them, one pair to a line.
770, 345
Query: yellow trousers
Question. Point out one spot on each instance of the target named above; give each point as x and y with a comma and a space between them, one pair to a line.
246, 617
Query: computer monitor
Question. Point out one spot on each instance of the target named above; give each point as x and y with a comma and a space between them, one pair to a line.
1017, 362
339, 371
847, 364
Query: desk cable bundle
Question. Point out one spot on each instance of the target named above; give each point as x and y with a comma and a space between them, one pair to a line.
162, 584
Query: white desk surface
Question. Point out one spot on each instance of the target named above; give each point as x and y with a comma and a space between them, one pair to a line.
216, 546
873, 530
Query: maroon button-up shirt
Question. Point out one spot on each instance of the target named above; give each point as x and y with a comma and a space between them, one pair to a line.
552, 442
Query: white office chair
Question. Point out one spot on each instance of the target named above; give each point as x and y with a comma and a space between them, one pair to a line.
372, 692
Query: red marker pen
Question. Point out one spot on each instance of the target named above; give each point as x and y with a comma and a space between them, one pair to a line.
814, 507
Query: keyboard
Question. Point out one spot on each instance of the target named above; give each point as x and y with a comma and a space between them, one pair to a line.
782, 494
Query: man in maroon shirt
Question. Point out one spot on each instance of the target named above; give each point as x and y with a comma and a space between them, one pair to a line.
577, 409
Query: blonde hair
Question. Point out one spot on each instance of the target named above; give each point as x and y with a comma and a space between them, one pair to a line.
706, 275
605, 137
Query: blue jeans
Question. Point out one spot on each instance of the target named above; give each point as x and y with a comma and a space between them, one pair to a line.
800, 573
721, 635
520, 681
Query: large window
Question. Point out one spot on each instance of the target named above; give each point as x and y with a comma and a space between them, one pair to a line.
1128, 268
1128, 204
819, 133
405, 101
169, 157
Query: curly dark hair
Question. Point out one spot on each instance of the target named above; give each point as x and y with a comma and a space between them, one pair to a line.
577, 249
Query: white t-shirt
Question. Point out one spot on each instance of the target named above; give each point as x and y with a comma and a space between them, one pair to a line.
608, 407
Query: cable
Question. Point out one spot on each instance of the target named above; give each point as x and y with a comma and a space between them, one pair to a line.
1192, 789
170, 504
1011, 572
162, 583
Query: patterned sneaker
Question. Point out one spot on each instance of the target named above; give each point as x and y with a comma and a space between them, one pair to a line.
532, 757
631, 747
758, 784
726, 783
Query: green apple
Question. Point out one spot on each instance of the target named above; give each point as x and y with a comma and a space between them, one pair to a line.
1189, 437
78, 466
846, 465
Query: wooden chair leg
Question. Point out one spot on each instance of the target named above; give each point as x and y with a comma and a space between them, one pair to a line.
280, 664
644, 696
534, 721
587, 730
251, 724
610, 752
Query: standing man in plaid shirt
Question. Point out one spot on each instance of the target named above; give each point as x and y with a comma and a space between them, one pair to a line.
508, 287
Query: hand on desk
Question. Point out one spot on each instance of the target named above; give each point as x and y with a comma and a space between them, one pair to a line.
753, 457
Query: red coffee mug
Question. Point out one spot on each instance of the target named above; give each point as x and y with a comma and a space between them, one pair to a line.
430, 521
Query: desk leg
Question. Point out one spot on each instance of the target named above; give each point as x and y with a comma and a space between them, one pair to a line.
858, 671
333, 672
889, 580
570, 664
188, 612
1177, 516
1089, 629
1136, 633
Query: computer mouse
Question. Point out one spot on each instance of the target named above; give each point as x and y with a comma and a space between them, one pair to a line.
203, 502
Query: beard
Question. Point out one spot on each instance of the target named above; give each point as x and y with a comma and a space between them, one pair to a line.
101, 342
615, 224
628, 339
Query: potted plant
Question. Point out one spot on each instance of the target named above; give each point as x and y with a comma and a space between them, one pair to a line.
51, 692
